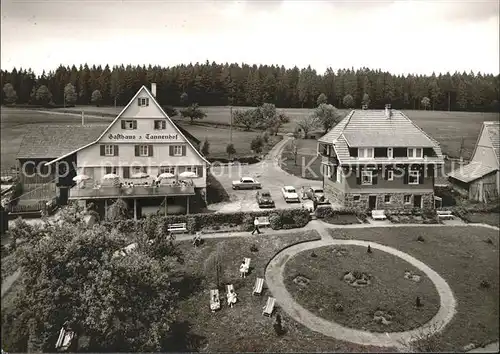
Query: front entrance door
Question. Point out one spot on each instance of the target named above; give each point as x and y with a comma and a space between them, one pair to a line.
372, 202
417, 201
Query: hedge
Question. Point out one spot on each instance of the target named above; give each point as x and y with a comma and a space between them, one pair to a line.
283, 219
326, 211
215, 191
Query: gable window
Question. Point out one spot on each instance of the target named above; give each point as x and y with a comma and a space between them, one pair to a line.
390, 175
143, 150
415, 153
390, 153
167, 169
413, 177
366, 177
129, 124
160, 124
356, 198
365, 153
177, 150
387, 198
407, 199
143, 101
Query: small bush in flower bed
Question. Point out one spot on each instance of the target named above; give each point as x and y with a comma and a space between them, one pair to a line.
328, 213
413, 216
279, 219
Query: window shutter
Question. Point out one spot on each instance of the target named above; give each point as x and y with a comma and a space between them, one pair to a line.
405, 176
136, 148
183, 150
115, 150
123, 124
134, 124
150, 150
126, 172
199, 171
171, 150
386, 173
155, 125
163, 124
139, 101
103, 150
421, 175
144, 169
358, 176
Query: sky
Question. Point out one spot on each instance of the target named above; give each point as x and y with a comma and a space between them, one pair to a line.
398, 36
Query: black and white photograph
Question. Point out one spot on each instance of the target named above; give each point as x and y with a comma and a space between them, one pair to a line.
250, 176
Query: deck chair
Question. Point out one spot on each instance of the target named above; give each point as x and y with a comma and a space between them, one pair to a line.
214, 300
247, 263
64, 339
257, 289
229, 288
269, 308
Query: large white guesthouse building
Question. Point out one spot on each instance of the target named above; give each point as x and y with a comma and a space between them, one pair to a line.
140, 144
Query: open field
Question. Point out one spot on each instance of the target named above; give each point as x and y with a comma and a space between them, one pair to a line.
464, 259
389, 290
15, 122
447, 128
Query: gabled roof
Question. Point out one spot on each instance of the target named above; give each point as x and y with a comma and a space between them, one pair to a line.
152, 98
52, 141
372, 128
471, 172
492, 129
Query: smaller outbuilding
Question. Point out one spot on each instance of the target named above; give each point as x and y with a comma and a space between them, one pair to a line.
480, 179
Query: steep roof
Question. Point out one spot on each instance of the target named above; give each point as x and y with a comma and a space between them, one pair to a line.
152, 98
52, 141
471, 172
372, 128
493, 129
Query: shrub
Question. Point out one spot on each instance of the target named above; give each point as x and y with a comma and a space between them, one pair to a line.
420, 239
192, 224
265, 137
485, 284
275, 222
254, 248
247, 223
215, 191
313, 254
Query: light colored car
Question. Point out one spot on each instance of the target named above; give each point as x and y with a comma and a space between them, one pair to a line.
246, 183
290, 194
318, 194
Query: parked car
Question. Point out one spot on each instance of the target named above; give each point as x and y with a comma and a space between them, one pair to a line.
246, 183
290, 194
264, 199
318, 194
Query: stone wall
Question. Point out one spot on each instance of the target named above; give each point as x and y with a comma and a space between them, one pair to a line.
332, 193
397, 201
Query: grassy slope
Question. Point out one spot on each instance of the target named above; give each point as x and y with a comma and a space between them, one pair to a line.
463, 258
389, 290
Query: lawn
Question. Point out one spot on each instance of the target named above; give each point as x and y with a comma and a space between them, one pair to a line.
307, 164
243, 328
464, 259
15, 122
492, 219
389, 291
342, 219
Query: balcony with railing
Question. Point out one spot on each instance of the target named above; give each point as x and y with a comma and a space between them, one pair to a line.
131, 191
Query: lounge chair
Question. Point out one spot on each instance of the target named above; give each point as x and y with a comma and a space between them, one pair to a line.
231, 295
269, 308
259, 284
214, 300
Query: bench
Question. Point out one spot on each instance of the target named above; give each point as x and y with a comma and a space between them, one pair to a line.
378, 215
259, 284
269, 308
180, 227
263, 220
445, 214
64, 340
214, 300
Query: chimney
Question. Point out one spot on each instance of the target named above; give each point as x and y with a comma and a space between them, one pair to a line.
388, 111
153, 89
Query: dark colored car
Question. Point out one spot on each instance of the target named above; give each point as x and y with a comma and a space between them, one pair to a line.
264, 199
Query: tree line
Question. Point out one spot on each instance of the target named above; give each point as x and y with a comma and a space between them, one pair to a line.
212, 84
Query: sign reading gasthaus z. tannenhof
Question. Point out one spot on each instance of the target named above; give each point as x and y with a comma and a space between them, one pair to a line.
144, 137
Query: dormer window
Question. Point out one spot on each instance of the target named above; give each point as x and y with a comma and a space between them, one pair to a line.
415, 153
365, 153
143, 101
